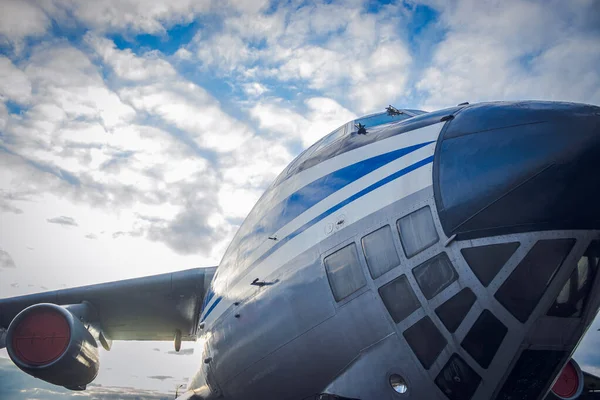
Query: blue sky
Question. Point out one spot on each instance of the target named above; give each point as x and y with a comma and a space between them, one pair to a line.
136, 135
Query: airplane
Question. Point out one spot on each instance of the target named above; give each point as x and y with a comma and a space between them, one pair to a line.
433, 255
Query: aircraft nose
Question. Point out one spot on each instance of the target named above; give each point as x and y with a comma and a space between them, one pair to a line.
514, 167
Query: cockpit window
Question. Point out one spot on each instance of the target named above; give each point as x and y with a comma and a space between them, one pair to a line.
306, 154
332, 137
381, 119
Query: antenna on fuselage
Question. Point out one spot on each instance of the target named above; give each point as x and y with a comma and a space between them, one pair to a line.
391, 110
362, 130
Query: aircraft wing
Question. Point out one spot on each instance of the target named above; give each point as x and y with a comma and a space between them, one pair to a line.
149, 308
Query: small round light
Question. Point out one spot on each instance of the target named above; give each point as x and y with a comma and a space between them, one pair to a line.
398, 383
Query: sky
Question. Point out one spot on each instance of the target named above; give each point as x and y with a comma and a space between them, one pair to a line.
136, 135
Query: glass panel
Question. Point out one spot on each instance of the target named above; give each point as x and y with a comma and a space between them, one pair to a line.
434, 275
572, 298
417, 231
532, 374
455, 309
380, 251
344, 272
523, 289
484, 338
457, 380
380, 119
399, 298
330, 138
487, 261
426, 341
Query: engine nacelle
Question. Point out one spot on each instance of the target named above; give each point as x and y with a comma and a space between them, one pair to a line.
569, 383
48, 342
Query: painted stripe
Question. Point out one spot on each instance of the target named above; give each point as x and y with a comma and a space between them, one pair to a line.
273, 220
211, 308
329, 202
229, 278
344, 203
425, 134
261, 244
208, 298
337, 207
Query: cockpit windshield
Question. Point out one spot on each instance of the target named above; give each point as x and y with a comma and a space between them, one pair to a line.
369, 121
383, 118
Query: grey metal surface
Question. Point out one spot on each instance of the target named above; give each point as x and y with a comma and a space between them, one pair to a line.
148, 308
319, 357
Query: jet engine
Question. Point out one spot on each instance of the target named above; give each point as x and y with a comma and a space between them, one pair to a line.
569, 383
48, 342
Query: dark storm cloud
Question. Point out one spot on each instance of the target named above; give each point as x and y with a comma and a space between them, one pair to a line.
16, 385
6, 260
62, 220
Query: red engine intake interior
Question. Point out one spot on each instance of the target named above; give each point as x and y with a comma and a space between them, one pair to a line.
567, 384
41, 337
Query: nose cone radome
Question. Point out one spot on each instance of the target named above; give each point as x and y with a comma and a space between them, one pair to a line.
514, 167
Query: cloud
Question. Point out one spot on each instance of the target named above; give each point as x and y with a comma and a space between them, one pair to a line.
62, 220
14, 84
91, 236
339, 48
6, 260
519, 50
135, 15
19, 20
126, 64
322, 116
16, 385
5, 206
182, 352
193, 111
254, 89
160, 377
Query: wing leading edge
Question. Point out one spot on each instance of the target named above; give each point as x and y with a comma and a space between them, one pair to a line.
148, 308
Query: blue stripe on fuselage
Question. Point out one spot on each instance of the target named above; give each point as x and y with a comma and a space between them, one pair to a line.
306, 197
212, 307
331, 210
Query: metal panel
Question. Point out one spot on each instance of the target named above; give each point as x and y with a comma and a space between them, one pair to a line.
517, 167
147, 308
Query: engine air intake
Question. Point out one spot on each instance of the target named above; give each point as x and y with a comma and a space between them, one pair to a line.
41, 337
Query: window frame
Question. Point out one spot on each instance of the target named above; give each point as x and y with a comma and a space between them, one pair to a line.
395, 245
362, 263
400, 236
